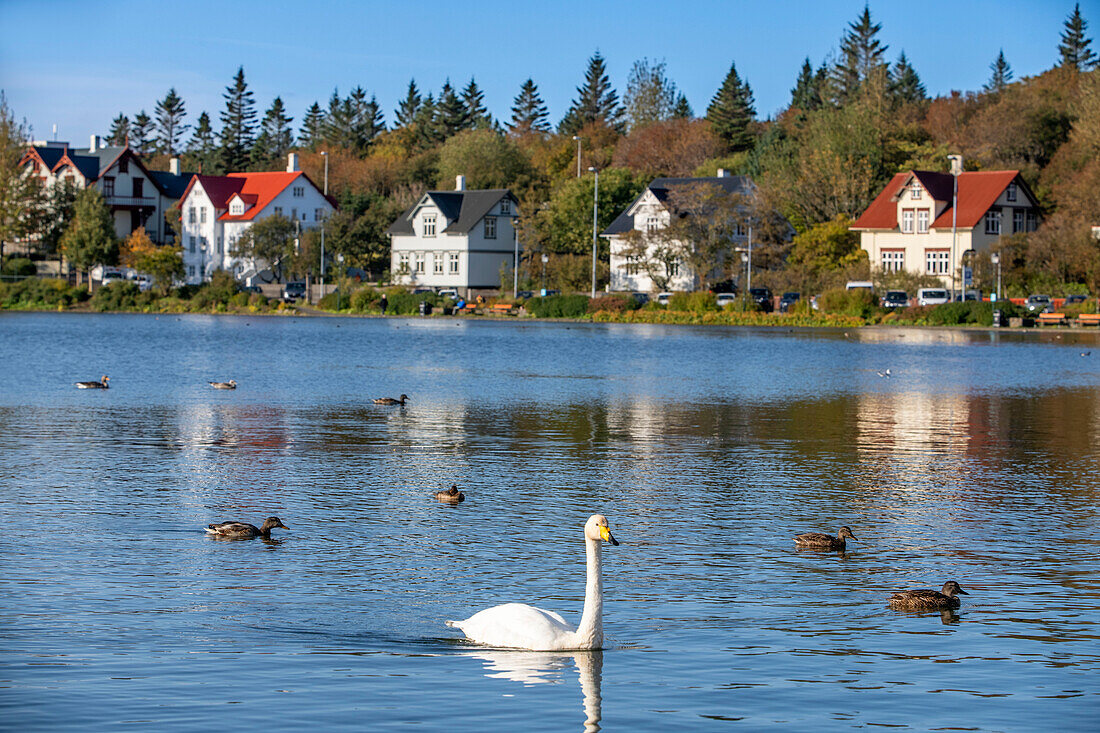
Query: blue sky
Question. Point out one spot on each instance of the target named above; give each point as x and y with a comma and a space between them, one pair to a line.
78, 64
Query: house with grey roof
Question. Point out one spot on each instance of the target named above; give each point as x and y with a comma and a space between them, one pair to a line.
649, 213
455, 239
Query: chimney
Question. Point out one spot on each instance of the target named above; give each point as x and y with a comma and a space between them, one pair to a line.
292, 163
174, 166
723, 173
956, 164
94, 144
460, 183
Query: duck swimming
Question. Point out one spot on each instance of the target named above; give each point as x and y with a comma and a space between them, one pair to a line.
923, 599
243, 530
101, 384
451, 495
390, 400
823, 541
231, 384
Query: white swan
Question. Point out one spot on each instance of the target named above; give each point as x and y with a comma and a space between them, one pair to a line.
521, 626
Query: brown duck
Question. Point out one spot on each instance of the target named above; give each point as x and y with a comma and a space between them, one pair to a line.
451, 495
923, 599
823, 541
101, 384
390, 400
243, 530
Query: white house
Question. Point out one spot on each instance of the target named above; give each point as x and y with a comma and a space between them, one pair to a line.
455, 239
649, 213
216, 210
136, 196
909, 224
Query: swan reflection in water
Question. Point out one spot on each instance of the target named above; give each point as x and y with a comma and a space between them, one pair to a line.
532, 668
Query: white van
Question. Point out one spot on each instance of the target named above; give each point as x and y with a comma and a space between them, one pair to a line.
860, 285
932, 296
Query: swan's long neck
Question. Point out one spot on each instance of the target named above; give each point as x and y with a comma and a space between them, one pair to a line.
590, 629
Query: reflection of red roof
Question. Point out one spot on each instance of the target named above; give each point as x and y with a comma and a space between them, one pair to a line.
978, 191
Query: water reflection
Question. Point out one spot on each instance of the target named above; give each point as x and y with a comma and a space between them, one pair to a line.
532, 668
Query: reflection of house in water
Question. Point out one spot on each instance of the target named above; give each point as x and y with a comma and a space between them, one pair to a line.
916, 432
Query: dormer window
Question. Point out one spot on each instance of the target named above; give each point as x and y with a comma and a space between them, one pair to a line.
428, 223
1010, 192
236, 208
915, 190
505, 207
123, 165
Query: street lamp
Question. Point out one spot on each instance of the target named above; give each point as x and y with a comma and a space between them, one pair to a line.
515, 258
202, 260
595, 215
995, 258
956, 169
325, 154
577, 139
545, 259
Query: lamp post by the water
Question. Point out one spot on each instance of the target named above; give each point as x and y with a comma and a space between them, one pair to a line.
515, 258
995, 258
956, 169
595, 215
577, 139
545, 259
324, 153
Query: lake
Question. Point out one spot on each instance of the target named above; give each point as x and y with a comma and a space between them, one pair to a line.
975, 460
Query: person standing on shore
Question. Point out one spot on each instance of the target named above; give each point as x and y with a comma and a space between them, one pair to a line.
383, 302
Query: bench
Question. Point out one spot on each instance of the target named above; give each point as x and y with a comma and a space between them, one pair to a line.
1088, 319
502, 308
1052, 319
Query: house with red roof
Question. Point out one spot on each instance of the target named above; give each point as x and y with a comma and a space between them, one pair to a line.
216, 210
909, 225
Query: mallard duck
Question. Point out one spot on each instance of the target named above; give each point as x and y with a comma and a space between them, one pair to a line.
923, 599
243, 530
231, 384
451, 495
101, 384
390, 400
824, 541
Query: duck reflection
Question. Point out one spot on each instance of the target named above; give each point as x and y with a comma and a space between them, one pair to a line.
532, 668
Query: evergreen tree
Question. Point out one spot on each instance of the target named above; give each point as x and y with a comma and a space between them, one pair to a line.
90, 239
861, 54
451, 111
336, 127
477, 116
428, 129
203, 147
650, 96
238, 123
409, 106
597, 101
275, 137
1001, 76
170, 128
312, 124
806, 94
682, 109
731, 112
1074, 47
905, 84
529, 113
141, 133
120, 130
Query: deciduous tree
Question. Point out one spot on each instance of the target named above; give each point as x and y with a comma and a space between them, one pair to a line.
90, 240
487, 159
650, 96
163, 264
20, 195
270, 242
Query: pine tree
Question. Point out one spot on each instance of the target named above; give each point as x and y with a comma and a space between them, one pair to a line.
312, 123
428, 128
366, 119
120, 130
650, 96
529, 113
451, 111
204, 148
905, 84
731, 112
682, 109
1001, 76
1074, 47
170, 128
477, 116
861, 54
141, 133
336, 128
238, 123
409, 106
597, 101
806, 94
275, 137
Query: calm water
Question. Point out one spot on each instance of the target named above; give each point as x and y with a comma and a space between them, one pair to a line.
707, 449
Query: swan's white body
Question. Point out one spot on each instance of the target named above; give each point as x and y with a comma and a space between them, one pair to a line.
520, 626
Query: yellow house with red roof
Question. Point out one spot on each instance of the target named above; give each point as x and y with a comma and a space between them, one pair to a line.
909, 225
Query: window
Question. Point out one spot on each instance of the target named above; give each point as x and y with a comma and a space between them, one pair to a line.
490, 227
672, 269
893, 260
633, 264
935, 261
428, 223
108, 186
192, 244
293, 214
278, 211
419, 263
237, 207
505, 207
299, 191
1032, 221
191, 215
1010, 192
403, 262
191, 270
318, 214
453, 261
437, 263
1018, 220
651, 223
907, 221
993, 222
219, 244
915, 190
123, 165
923, 215
202, 215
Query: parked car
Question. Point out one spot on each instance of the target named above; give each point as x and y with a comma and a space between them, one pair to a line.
113, 277
663, 298
1037, 303
726, 286
525, 294
933, 296
973, 295
763, 298
859, 285
251, 289
422, 291
895, 299
724, 299
1071, 299
294, 290
449, 293
640, 298
144, 282
788, 300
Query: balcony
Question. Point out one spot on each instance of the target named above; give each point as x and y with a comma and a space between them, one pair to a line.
130, 201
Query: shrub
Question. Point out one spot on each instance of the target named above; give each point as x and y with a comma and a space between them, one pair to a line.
558, 306
118, 296
19, 267
40, 293
858, 302
407, 304
612, 303
365, 299
699, 302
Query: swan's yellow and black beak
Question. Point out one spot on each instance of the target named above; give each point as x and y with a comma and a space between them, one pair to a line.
606, 534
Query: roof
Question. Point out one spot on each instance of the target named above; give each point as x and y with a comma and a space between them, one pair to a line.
93, 164
661, 188
978, 191
257, 189
172, 185
463, 209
